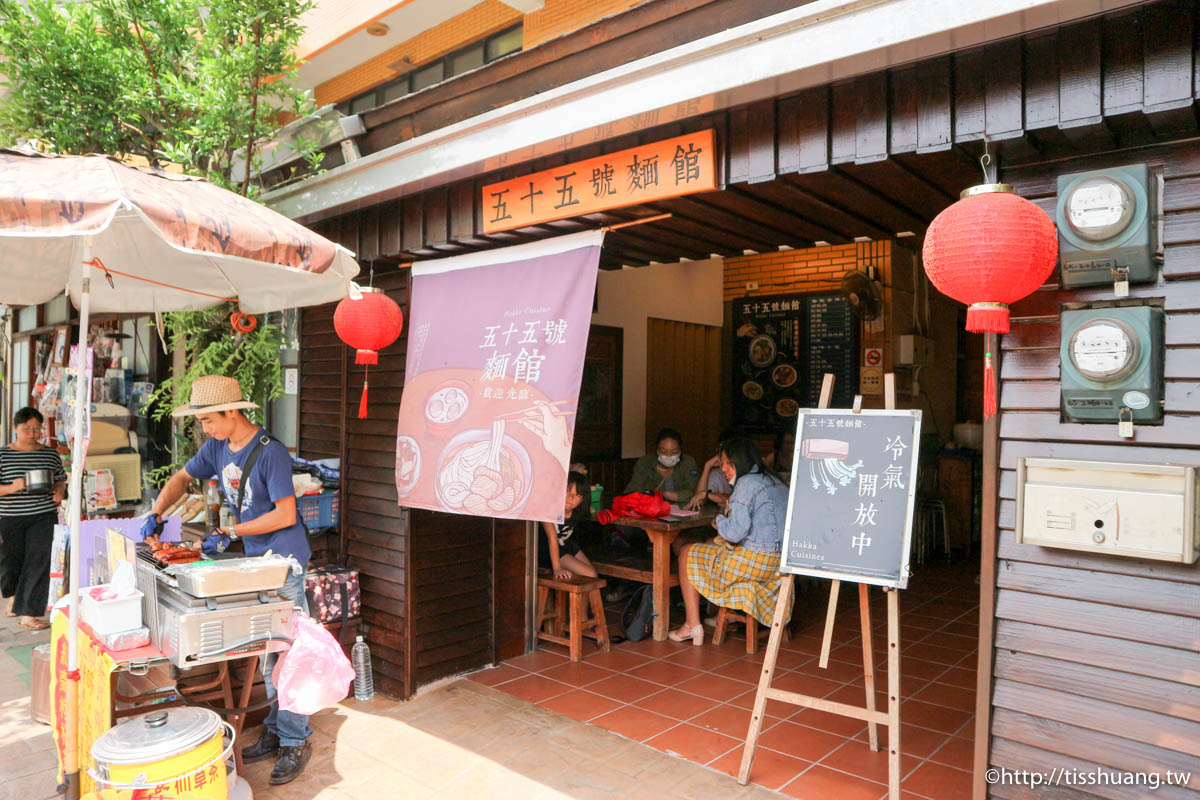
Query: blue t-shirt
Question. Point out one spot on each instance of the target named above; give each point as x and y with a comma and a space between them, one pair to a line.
270, 482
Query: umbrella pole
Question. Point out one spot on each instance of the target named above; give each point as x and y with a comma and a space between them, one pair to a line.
71, 735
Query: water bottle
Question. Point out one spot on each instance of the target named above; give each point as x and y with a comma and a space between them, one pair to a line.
364, 683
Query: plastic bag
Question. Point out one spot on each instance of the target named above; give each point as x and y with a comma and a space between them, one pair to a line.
315, 673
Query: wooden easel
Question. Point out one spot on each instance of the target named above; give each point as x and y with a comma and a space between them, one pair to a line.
873, 718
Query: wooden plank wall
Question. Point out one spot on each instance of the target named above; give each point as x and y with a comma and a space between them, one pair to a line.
867, 156
427, 578
1096, 657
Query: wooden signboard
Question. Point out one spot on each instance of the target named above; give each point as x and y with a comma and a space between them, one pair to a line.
643, 174
853, 488
836, 517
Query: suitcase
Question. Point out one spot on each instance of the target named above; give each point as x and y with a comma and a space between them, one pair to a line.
333, 594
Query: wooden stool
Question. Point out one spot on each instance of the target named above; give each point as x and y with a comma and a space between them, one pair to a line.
727, 615
575, 588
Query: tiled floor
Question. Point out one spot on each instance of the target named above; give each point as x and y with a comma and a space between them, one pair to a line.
695, 702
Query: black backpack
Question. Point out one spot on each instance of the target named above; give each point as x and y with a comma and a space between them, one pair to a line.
637, 618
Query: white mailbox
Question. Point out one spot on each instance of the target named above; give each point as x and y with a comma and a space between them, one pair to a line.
1135, 510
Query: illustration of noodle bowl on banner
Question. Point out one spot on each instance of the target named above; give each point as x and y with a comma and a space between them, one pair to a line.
484, 472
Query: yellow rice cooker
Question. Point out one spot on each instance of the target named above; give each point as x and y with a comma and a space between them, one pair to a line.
181, 750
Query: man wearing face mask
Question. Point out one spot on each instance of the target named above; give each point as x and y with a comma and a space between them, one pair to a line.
667, 470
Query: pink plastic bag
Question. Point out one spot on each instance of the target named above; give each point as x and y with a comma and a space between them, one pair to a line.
315, 673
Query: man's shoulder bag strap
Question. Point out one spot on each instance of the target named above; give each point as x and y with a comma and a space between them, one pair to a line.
263, 440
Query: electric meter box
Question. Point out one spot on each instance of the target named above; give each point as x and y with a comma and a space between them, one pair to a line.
1106, 226
1134, 510
1112, 364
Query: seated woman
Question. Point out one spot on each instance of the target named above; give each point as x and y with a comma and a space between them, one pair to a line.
713, 485
739, 569
666, 470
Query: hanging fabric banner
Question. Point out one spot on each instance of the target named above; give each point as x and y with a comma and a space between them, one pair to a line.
495, 357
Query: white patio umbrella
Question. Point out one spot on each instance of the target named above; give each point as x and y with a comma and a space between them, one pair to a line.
125, 239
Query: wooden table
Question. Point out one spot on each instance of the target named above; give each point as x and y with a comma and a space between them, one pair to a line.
662, 532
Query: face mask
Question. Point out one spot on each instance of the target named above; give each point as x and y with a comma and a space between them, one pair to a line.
668, 461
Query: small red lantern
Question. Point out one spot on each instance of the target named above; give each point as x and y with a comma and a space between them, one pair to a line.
988, 250
368, 323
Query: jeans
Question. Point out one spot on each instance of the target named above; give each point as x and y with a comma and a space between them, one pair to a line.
291, 728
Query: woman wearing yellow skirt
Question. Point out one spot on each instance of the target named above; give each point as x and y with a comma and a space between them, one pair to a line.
739, 568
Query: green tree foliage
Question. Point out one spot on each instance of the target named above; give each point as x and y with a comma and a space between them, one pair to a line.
195, 84
211, 348
188, 82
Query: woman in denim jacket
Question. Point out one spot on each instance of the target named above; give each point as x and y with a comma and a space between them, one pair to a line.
739, 569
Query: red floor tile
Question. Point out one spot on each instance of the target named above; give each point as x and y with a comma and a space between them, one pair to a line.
917, 667
580, 705
624, 688
495, 675
957, 752
941, 655
831, 723
806, 684
634, 723
949, 696
914, 741
821, 783
619, 660
665, 672
742, 670
729, 720
939, 782
579, 673
715, 687
840, 671
694, 744
676, 704
951, 641
938, 718
653, 649
809, 744
770, 769
776, 709
704, 658
533, 688
957, 676
968, 661
856, 758
536, 661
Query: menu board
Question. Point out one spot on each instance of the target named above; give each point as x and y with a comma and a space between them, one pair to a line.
850, 502
783, 346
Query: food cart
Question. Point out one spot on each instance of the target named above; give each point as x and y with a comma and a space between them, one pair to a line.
154, 242
199, 612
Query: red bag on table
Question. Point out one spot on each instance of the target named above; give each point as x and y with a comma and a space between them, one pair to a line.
635, 504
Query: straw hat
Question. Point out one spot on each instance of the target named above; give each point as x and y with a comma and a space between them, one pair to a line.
214, 393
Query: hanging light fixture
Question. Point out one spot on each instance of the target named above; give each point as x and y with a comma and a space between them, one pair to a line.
367, 320
989, 250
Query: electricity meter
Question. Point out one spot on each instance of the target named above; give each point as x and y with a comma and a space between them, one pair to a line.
1112, 364
1106, 227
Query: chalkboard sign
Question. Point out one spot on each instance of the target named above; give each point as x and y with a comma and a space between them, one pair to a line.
783, 346
851, 500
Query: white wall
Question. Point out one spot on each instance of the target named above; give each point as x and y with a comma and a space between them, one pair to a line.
689, 291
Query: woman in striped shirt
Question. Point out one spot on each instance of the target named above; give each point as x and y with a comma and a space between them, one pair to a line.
27, 520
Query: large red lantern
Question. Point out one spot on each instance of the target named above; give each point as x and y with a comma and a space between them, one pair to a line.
989, 250
367, 322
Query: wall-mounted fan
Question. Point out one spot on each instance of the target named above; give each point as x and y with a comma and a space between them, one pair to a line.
862, 294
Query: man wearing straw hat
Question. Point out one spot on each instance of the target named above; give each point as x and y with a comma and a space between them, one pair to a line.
255, 471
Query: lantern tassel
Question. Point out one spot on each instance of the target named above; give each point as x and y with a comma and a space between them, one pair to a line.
987, 318
989, 386
362, 403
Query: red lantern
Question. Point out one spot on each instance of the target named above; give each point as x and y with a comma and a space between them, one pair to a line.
989, 250
368, 323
